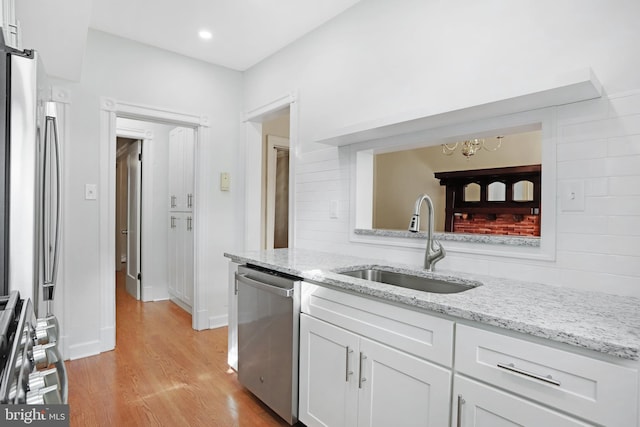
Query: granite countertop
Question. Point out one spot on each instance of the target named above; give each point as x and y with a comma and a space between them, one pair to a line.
596, 321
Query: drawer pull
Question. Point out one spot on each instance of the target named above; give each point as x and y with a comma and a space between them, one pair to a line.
511, 367
348, 372
361, 379
461, 402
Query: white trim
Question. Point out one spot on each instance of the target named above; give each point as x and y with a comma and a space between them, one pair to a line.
576, 86
252, 168
218, 321
109, 110
60, 94
79, 351
547, 117
258, 114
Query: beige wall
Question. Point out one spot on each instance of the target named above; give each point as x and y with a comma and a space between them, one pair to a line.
399, 177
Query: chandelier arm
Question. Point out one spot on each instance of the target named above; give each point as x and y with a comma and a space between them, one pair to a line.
448, 150
498, 145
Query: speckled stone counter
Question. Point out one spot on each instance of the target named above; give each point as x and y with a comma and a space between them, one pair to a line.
596, 321
490, 239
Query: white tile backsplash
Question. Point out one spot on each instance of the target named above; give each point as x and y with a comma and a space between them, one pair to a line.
598, 141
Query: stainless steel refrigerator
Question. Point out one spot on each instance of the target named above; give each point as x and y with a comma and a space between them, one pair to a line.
31, 180
32, 369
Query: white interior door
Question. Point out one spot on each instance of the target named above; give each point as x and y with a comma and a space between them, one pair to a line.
134, 166
277, 218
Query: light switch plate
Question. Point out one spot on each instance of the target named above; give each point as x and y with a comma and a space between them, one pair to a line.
572, 196
90, 191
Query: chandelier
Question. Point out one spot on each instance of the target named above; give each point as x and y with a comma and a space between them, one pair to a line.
470, 147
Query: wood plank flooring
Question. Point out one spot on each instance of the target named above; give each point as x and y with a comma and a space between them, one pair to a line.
162, 373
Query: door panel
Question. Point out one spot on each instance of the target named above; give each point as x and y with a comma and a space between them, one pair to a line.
425, 389
480, 405
134, 166
328, 374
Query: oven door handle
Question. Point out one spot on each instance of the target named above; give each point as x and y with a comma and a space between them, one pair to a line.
283, 292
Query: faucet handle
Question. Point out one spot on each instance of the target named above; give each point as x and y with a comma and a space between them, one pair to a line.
438, 251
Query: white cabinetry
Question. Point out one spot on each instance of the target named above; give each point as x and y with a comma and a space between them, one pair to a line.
181, 201
181, 160
349, 378
480, 405
181, 264
10, 26
593, 390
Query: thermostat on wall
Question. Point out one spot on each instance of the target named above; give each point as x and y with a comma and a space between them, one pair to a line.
225, 181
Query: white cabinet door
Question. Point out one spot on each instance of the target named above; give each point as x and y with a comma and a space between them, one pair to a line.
181, 258
399, 389
479, 405
328, 375
176, 169
9, 23
188, 162
174, 254
181, 169
187, 259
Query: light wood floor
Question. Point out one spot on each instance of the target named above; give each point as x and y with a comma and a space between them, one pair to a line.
162, 373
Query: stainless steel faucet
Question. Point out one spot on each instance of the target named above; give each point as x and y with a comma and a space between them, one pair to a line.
434, 252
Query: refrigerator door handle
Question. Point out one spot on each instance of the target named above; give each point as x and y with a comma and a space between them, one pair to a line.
51, 143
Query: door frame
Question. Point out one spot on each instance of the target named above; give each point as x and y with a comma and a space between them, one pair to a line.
251, 155
110, 109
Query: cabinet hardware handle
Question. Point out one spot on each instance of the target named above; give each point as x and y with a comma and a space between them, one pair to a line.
189, 200
461, 402
189, 222
511, 368
173, 201
173, 222
361, 379
348, 372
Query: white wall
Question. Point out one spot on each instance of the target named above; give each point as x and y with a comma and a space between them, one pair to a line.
136, 73
381, 58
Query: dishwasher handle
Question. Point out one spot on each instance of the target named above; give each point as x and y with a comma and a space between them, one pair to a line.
283, 292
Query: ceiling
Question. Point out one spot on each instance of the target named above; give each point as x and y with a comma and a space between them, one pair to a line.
244, 31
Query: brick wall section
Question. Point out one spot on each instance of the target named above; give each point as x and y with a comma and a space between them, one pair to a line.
505, 224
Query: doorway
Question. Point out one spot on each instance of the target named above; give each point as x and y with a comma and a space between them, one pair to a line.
110, 111
128, 212
155, 199
276, 178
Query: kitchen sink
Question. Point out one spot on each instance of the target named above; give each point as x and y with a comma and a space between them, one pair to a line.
410, 281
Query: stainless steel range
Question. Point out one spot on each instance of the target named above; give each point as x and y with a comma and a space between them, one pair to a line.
33, 370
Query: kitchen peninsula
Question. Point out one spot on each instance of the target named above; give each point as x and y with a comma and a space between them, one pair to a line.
587, 344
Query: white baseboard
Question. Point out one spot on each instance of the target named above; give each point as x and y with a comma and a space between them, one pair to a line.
218, 321
107, 338
183, 305
147, 294
78, 351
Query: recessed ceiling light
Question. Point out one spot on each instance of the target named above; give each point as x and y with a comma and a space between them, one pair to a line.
205, 34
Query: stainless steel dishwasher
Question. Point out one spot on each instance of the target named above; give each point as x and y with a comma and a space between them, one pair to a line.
268, 336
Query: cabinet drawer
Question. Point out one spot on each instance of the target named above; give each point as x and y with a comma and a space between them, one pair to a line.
416, 333
596, 390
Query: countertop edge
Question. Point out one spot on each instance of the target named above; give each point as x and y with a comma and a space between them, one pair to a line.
604, 346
